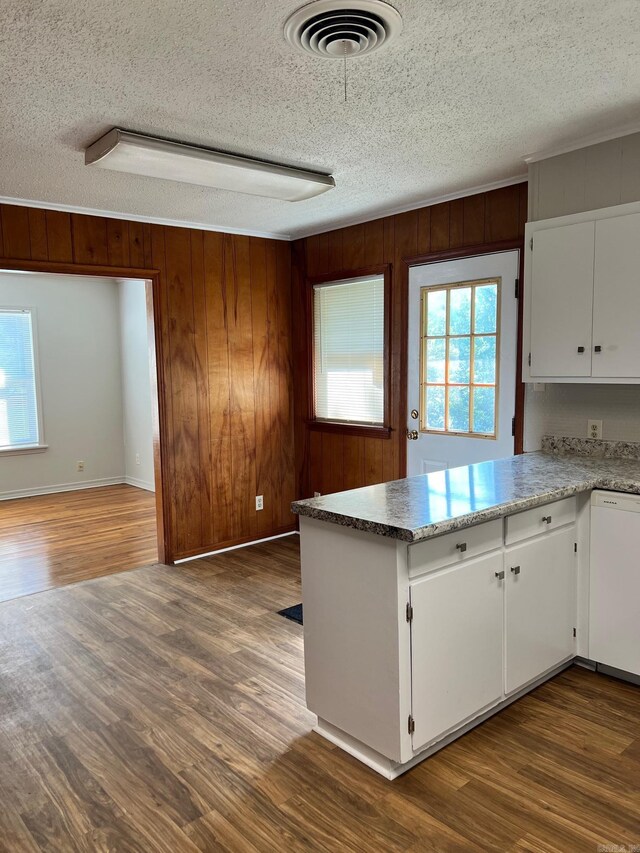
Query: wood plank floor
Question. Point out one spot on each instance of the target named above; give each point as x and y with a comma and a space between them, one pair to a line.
162, 709
52, 540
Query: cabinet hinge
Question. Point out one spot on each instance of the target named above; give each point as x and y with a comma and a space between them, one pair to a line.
531, 244
517, 289
575, 632
412, 725
409, 612
529, 359
513, 425
575, 547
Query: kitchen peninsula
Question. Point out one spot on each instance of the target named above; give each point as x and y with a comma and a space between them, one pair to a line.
432, 602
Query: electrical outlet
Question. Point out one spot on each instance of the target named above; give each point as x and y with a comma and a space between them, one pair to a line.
259, 502
137, 458
80, 465
317, 494
594, 429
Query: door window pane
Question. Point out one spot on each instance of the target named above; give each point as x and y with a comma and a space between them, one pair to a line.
458, 409
434, 405
460, 311
459, 367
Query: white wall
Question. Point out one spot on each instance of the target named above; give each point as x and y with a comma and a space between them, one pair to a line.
565, 409
597, 176
80, 376
136, 385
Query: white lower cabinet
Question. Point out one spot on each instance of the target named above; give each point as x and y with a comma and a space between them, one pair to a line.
456, 645
540, 606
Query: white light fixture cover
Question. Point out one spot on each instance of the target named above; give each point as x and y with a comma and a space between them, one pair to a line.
135, 153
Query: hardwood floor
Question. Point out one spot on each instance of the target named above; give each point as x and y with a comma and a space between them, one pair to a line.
52, 540
162, 709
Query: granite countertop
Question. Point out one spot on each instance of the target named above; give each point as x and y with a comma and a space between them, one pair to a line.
420, 507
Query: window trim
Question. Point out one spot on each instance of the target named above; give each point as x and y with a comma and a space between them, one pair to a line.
343, 427
19, 449
449, 287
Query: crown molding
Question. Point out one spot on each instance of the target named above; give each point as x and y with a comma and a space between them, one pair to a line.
405, 208
584, 142
154, 220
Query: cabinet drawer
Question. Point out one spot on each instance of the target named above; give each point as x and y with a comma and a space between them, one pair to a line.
523, 525
454, 547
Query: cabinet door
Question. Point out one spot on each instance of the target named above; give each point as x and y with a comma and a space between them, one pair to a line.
561, 300
456, 646
541, 598
616, 299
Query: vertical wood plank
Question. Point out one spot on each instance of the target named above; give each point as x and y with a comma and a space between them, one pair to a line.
89, 239
202, 386
287, 462
275, 385
523, 201
243, 460
473, 219
335, 251
301, 345
186, 496
424, 230
316, 468
374, 242
59, 237
38, 234
217, 310
353, 254
262, 385
148, 244
323, 254
502, 214
136, 245
456, 218
118, 243
15, 231
440, 227
353, 461
313, 255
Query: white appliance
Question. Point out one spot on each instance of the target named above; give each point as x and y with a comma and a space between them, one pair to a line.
614, 598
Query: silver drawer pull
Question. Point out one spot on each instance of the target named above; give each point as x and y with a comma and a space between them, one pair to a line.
546, 519
515, 570
500, 576
462, 547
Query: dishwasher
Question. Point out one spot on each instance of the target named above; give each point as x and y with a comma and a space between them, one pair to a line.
614, 586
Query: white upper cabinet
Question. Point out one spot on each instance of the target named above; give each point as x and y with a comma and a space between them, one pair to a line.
616, 300
582, 298
562, 307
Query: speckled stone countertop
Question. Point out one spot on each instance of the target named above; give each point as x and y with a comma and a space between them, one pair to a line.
419, 507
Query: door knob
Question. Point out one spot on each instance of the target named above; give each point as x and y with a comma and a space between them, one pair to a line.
412, 434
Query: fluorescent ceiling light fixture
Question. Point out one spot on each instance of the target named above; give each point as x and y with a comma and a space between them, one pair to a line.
135, 153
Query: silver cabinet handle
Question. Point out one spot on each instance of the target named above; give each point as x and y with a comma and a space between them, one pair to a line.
597, 349
462, 547
580, 349
515, 570
500, 576
546, 519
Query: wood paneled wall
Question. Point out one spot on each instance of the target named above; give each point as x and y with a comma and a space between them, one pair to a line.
328, 462
223, 326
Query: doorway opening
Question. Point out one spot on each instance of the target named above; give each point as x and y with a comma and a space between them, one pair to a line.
79, 479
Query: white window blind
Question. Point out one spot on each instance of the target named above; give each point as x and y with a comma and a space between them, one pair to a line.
18, 401
349, 351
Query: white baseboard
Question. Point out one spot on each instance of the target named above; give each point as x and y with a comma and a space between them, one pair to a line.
140, 484
61, 487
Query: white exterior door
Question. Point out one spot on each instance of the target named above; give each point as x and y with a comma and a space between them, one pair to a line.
460, 407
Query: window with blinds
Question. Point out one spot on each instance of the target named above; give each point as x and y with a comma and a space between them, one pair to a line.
18, 399
348, 348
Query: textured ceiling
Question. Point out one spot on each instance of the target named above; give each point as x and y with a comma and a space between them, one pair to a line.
468, 89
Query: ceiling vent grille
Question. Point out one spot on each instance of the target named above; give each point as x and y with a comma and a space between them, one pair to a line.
335, 29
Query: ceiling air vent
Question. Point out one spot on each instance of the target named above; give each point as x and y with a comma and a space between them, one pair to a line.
335, 29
